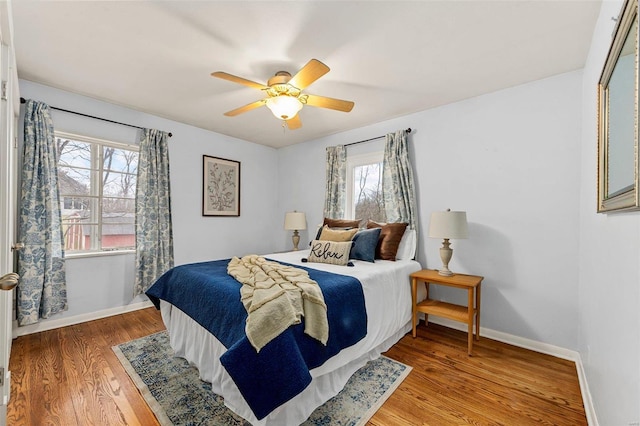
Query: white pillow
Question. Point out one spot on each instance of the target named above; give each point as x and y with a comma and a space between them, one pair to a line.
407, 247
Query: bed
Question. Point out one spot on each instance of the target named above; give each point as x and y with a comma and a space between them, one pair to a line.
387, 300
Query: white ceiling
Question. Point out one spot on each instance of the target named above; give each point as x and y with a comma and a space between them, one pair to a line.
390, 57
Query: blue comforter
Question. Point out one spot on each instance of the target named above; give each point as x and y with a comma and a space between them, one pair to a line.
280, 371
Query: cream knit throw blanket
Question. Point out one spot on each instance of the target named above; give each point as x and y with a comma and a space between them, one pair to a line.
276, 296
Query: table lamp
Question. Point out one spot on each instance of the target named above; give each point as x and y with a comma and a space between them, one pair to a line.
295, 221
447, 225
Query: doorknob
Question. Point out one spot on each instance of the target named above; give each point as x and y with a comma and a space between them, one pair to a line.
17, 246
9, 281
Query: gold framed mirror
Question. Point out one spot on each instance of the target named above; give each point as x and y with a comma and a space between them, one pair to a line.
618, 174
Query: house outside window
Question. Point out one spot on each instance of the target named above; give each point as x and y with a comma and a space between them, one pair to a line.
97, 184
364, 187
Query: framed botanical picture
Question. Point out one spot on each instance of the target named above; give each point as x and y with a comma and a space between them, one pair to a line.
220, 187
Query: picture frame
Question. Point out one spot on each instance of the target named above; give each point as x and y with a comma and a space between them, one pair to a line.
618, 161
220, 186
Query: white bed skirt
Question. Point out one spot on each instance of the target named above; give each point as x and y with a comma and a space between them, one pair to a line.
195, 344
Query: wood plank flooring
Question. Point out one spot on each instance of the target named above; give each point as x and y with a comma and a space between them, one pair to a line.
70, 376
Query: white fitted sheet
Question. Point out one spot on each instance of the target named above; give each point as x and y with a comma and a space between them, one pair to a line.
387, 293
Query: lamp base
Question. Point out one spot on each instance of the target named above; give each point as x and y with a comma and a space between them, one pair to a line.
445, 255
445, 272
296, 240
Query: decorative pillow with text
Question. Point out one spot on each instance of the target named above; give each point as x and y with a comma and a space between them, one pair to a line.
330, 252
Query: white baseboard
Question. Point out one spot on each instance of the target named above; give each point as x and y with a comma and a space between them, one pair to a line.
77, 319
536, 346
589, 408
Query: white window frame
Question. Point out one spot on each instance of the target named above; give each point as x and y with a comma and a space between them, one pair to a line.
96, 179
353, 162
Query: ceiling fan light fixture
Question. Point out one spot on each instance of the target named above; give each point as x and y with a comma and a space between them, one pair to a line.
284, 107
283, 94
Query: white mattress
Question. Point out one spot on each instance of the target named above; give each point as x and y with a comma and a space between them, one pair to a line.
387, 293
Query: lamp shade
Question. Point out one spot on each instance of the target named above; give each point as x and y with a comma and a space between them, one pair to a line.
448, 225
284, 107
295, 221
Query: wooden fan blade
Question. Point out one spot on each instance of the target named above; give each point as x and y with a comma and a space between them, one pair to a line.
308, 74
245, 108
239, 80
294, 123
331, 103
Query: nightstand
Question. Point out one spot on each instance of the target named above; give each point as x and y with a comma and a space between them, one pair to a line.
465, 314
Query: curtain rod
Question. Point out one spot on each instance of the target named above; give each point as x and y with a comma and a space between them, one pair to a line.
23, 100
373, 139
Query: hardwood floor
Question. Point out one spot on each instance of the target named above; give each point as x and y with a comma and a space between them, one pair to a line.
70, 376
499, 385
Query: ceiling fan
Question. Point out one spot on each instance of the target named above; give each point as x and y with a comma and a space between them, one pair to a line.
284, 95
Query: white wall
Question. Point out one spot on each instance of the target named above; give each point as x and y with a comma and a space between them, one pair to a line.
100, 283
511, 160
609, 309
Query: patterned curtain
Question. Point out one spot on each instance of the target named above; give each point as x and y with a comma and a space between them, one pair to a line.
398, 191
334, 199
42, 291
154, 235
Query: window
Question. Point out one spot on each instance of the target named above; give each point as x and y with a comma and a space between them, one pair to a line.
97, 183
364, 187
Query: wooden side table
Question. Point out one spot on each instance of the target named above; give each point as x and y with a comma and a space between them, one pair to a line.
465, 314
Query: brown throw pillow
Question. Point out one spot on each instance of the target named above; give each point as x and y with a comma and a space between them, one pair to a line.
389, 239
341, 223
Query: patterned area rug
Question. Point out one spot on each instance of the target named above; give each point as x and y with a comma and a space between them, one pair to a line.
177, 396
